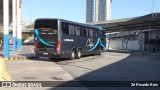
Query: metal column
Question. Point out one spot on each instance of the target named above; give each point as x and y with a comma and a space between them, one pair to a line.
149, 38
5, 28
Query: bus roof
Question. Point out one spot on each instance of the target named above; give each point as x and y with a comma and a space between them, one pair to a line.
71, 22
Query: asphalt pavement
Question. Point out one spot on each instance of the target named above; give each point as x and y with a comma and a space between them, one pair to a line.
37, 69
110, 66
115, 67
26, 51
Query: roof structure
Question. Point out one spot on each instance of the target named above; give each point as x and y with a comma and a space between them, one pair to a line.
150, 21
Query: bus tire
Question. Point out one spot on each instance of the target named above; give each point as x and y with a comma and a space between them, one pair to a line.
99, 51
52, 58
78, 54
72, 55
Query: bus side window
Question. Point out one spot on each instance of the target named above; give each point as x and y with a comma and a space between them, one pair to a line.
85, 32
71, 30
91, 32
78, 30
65, 28
95, 33
100, 34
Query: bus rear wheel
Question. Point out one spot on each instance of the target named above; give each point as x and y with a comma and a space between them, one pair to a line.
78, 54
52, 58
72, 56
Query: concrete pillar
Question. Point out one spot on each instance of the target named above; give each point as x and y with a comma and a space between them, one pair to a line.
19, 31
5, 28
20, 24
14, 24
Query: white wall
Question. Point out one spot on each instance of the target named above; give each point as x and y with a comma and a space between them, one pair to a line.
117, 44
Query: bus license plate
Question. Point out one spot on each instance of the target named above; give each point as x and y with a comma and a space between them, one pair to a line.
45, 53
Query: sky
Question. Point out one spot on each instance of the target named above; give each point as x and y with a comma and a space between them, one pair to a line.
74, 10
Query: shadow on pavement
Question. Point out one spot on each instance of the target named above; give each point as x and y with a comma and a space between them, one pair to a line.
59, 59
128, 69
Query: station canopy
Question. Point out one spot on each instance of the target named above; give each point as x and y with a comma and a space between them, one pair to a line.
150, 21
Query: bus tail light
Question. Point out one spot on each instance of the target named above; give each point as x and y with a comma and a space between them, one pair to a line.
58, 45
35, 45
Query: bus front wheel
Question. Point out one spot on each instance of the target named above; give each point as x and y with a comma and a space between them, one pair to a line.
99, 51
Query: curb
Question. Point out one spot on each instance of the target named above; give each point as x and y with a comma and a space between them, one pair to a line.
137, 53
17, 58
4, 75
146, 54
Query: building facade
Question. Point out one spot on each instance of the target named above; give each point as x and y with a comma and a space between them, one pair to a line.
97, 10
133, 34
